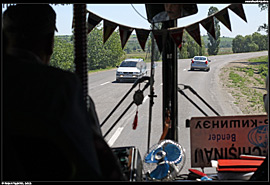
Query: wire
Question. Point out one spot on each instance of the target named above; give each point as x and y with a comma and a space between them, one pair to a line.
138, 12
154, 26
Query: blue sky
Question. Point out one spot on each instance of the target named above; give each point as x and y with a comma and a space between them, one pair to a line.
126, 15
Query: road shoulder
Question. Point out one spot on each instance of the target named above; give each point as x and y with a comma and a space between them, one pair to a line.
242, 80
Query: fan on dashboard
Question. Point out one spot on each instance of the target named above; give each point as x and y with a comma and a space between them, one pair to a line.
164, 161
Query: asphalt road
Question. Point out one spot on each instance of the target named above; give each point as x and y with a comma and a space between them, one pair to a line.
106, 93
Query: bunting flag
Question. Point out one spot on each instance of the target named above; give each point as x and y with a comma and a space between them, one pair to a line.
177, 36
238, 10
108, 29
194, 31
125, 33
160, 37
93, 20
223, 16
142, 36
209, 25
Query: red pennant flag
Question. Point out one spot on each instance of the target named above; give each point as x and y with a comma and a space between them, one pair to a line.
142, 36
124, 34
223, 16
208, 24
238, 10
160, 38
194, 32
177, 36
93, 20
108, 29
135, 121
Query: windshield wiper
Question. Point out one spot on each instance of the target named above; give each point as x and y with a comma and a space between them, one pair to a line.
139, 80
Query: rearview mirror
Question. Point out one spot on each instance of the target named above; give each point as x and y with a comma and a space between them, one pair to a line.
165, 12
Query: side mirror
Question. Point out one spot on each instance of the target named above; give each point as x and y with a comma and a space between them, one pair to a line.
117, 66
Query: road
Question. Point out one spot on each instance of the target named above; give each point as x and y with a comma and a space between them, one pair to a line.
106, 93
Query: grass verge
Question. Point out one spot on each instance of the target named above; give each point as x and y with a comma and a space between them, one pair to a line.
245, 81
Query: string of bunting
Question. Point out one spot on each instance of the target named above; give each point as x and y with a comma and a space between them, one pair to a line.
175, 33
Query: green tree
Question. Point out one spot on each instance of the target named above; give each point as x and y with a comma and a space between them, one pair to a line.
190, 48
213, 45
260, 40
238, 44
63, 56
263, 27
265, 44
127, 50
101, 56
250, 43
183, 52
252, 47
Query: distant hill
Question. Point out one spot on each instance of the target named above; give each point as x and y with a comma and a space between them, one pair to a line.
225, 42
133, 45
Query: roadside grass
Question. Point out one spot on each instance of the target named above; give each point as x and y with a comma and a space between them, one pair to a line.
98, 70
245, 81
260, 65
224, 51
145, 56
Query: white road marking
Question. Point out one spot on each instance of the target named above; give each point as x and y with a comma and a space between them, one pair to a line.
120, 129
184, 69
145, 98
105, 83
115, 136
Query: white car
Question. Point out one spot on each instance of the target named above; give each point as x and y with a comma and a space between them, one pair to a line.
200, 62
131, 69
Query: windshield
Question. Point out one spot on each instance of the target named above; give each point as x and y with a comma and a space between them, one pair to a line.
199, 58
128, 64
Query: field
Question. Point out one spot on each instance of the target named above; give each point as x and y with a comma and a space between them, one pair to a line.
245, 81
147, 56
225, 51
133, 50
144, 55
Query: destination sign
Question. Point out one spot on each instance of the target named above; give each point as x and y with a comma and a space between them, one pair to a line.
227, 137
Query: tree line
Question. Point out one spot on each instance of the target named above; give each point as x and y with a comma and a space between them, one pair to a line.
99, 55
250, 43
110, 54
254, 42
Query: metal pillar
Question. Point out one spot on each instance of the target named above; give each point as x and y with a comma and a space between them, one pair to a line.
80, 44
170, 78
